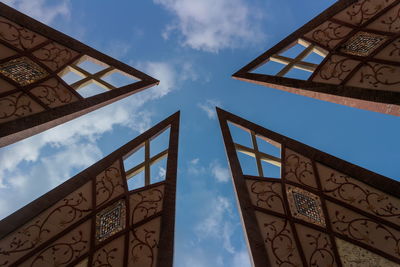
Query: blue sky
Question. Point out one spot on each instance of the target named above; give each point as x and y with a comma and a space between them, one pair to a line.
192, 47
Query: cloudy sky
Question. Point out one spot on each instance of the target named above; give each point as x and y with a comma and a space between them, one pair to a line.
192, 47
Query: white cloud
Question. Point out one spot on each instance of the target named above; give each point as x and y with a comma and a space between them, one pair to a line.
197, 257
220, 173
162, 71
212, 25
118, 49
167, 73
195, 161
209, 107
241, 259
195, 168
217, 224
43, 10
76, 156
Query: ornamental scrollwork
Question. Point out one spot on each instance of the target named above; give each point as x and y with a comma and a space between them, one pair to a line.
17, 35
345, 189
105, 257
299, 169
53, 94
376, 74
329, 34
55, 56
395, 52
335, 68
15, 105
144, 245
146, 203
108, 184
279, 238
362, 11
267, 195
62, 253
27, 238
322, 254
392, 22
367, 231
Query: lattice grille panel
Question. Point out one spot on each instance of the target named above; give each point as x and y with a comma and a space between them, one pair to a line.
110, 221
363, 44
23, 71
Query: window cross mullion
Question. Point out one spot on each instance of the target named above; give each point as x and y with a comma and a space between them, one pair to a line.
257, 154
88, 77
297, 59
140, 167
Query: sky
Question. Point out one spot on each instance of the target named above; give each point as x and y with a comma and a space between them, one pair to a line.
193, 47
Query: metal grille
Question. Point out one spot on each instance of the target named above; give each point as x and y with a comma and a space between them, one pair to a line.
362, 44
110, 221
23, 71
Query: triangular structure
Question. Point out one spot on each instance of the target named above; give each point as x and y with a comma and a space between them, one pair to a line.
35, 61
322, 211
360, 45
93, 219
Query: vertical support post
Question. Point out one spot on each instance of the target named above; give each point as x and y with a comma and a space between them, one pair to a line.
147, 162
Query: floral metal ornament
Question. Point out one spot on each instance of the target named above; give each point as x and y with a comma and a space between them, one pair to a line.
23, 71
363, 43
305, 205
110, 221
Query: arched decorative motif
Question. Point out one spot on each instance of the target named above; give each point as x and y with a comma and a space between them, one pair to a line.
358, 41
34, 61
93, 219
323, 211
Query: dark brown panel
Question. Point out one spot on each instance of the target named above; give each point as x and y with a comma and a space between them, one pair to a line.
49, 229
34, 58
321, 205
359, 43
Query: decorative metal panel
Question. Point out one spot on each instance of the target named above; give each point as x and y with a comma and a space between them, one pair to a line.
110, 221
23, 71
109, 184
94, 220
266, 195
363, 10
363, 43
317, 247
64, 250
322, 212
358, 194
46, 225
111, 254
299, 169
53, 93
279, 240
359, 43
143, 244
356, 256
17, 105
147, 203
34, 60
305, 205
